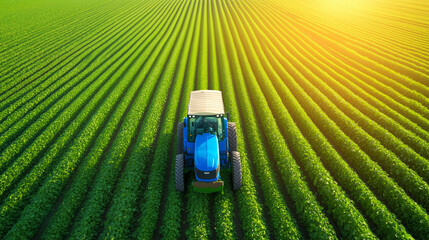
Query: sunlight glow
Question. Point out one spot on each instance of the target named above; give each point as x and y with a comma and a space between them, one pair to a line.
343, 8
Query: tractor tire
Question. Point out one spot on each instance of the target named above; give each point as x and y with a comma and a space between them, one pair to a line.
179, 175
236, 170
232, 136
179, 146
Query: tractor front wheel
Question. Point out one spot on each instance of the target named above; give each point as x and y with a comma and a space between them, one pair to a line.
236, 170
232, 136
180, 179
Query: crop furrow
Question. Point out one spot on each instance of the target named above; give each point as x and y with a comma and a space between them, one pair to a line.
281, 155
14, 124
41, 52
39, 126
413, 141
253, 225
63, 216
380, 106
197, 211
172, 212
226, 222
405, 153
89, 222
324, 149
32, 81
75, 150
379, 182
330, 101
368, 80
400, 68
397, 39
393, 45
48, 27
337, 203
140, 157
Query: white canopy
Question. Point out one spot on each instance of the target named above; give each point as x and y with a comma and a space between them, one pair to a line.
205, 102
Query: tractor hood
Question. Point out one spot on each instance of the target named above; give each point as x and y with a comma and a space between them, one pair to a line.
206, 152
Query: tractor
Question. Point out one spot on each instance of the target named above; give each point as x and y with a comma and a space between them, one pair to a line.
206, 144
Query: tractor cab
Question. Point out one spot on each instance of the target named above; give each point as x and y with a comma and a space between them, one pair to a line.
197, 125
206, 143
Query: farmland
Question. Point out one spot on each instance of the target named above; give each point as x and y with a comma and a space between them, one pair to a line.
330, 99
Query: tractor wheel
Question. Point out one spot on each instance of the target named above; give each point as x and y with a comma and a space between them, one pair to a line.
179, 146
232, 136
236, 170
179, 175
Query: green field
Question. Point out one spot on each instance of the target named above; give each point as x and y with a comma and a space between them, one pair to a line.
330, 98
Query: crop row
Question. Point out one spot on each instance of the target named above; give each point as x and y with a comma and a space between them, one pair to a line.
254, 225
226, 222
388, 86
337, 203
417, 162
44, 112
413, 184
371, 80
40, 138
386, 58
397, 40
90, 166
376, 89
406, 136
46, 86
400, 83
19, 166
394, 197
197, 205
31, 80
37, 33
76, 151
40, 50
332, 133
212, 52
331, 194
386, 222
416, 73
171, 223
311, 215
88, 222
137, 170
306, 101
397, 102
202, 213
202, 45
35, 176
340, 72
379, 51
208, 217
352, 100
173, 213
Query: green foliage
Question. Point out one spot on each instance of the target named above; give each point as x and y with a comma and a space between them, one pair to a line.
331, 116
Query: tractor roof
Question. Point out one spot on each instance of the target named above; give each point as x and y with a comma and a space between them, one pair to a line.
206, 102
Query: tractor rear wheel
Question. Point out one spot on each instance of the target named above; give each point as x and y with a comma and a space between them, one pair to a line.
232, 136
179, 146
179, 175
236, 170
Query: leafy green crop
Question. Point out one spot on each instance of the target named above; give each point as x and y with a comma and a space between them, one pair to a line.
330, 101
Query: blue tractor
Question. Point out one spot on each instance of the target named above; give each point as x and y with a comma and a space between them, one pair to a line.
207, 144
